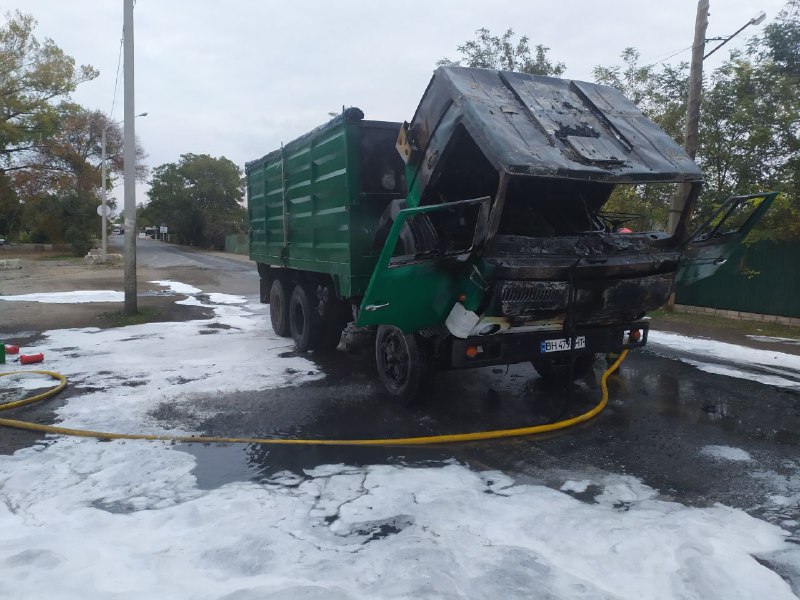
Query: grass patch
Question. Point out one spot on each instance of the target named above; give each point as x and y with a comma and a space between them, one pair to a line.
41, 255
121, 319
71, 257
745, 326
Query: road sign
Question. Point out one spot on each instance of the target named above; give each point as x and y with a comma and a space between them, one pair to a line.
107, 210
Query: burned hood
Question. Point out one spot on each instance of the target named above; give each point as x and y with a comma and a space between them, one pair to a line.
543, 126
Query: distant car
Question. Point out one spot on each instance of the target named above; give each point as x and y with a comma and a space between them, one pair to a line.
118, 229
2, 241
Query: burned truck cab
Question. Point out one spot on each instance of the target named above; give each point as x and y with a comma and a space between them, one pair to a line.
503, 250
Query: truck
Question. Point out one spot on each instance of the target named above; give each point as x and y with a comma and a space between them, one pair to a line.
475, 234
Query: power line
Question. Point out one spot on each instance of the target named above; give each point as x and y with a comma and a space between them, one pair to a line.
116, 79
663, 60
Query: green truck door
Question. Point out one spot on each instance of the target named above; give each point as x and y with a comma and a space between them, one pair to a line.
711, 245
427, 251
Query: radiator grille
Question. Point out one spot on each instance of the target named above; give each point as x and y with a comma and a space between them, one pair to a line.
520, 298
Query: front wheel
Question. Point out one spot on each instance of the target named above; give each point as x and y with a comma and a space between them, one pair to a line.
403, 363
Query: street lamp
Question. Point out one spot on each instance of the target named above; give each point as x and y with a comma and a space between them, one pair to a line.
103, 185
757, 20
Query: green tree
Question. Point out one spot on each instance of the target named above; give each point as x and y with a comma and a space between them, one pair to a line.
777, 53
750, 125
503, 53
71, 157
68, 164
660, 93
33, 75
40, 130
199, 198
63, 218
9, 204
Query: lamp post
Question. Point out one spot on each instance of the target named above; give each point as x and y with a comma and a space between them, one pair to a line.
104, 216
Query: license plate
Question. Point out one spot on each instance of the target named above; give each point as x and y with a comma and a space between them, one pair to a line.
562, 344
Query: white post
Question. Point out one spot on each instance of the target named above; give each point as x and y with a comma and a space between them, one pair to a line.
129, 148
103, 187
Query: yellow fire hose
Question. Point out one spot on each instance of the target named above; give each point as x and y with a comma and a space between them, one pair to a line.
408, 441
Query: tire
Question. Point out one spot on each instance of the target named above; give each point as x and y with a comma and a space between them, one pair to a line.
333, 318
403, 363
556, 370
304, 321
279, 308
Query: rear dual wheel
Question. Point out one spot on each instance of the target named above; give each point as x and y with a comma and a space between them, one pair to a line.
279, 308
309, 329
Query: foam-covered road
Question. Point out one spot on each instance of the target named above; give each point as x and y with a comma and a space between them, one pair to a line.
687, 485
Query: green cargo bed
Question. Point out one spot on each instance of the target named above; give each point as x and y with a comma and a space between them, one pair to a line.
315, 203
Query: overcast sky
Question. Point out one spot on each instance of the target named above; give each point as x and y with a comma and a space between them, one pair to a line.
236, 78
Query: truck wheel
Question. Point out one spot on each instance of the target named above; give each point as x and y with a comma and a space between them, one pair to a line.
303, 319
279, 308
403, 363
556, 369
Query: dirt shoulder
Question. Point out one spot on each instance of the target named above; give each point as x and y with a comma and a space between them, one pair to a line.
751, 334
48, 272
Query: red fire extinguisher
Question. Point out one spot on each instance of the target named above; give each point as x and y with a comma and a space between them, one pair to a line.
29, 359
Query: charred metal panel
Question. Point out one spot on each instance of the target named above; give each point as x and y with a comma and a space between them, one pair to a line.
588, 257
534, 125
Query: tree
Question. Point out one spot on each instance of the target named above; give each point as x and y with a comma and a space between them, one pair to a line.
67, 164
199, 198
661, 95
66, 217
777, 53
46, 145
503, 53
33, 75
749, 137
71, 157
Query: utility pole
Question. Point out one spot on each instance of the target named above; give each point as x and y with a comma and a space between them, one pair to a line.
692, 109
129, 157
103, 195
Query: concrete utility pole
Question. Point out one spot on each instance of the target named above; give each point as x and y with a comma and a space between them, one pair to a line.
129, 157
103, 195
692, 109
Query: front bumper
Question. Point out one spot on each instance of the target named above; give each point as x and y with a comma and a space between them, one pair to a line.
510, 348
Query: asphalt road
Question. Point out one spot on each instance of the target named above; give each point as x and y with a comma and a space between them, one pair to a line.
235, 275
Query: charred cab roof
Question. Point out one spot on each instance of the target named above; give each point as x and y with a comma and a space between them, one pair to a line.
547, 127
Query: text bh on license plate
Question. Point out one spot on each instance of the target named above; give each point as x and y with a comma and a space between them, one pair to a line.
562, 344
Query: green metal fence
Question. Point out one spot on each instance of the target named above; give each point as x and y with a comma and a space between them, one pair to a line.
761, 278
